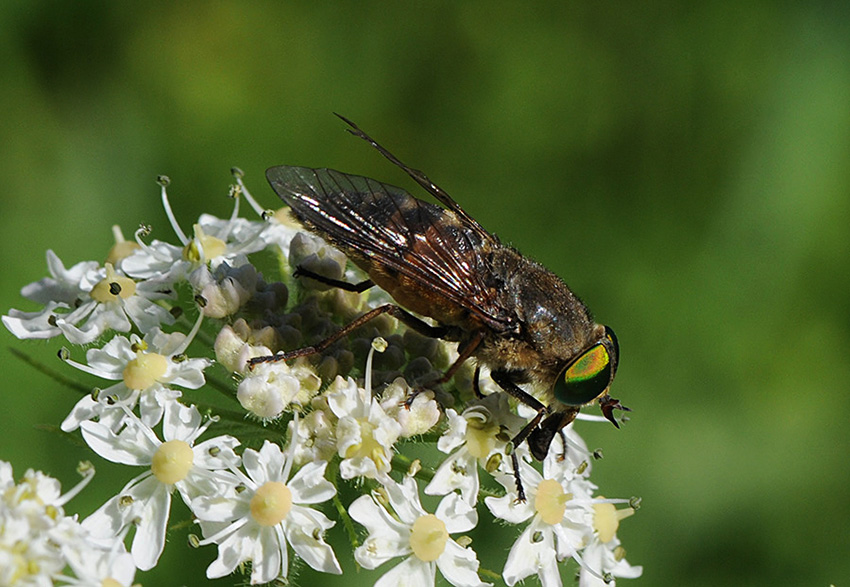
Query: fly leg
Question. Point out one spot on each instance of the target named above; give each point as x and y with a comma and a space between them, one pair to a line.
476, 386
505, 381
541, 438
563, 455
344, 285
465, 350
402, 315
405, 317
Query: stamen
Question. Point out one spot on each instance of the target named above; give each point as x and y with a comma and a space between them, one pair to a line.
581, 563
87, 369
164, 181
292, 445
233, 216
189, 337
237, 175
87, 471
143, 231
380, 345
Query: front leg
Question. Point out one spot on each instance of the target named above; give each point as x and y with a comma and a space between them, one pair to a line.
505, 380
541, 438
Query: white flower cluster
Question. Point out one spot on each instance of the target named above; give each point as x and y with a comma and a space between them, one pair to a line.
348, 413
40, 544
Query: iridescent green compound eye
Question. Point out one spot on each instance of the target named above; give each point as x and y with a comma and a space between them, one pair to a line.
586, 378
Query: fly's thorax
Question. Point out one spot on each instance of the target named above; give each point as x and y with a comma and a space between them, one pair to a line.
552, 320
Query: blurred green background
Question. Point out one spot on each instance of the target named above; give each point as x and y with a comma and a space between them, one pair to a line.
685, 169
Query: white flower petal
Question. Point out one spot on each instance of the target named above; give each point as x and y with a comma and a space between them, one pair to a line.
387, 537
85, 409
273, 461
145, 314
112, 358
508, 509
457, 514
460, 566
568, 539
411, 572
458, 471
190, 373
269, 559
309, 485
218, 508
358, 467
455, 434
63, 285
107, 520
181, 422
386, 430
528, 557
220, 446
152, 403
131, 447
302, 526
158, 260
344, 399
33, 324
150, 534
231, 551
600, 557
347, 434
404, 499
100, 318
254, 467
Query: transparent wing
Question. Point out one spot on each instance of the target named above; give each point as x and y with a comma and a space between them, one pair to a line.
426, 243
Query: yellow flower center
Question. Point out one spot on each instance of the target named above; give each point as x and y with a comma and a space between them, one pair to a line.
551, 501
271, 503
145, 370
121, 250
428, 538
480, 438
210, 246
172, 461
110, 582
606, 520
112, 287
369, 448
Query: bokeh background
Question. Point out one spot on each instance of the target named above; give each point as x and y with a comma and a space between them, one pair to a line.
685, 167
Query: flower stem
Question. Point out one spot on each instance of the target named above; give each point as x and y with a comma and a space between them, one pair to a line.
54, 375
346, 521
